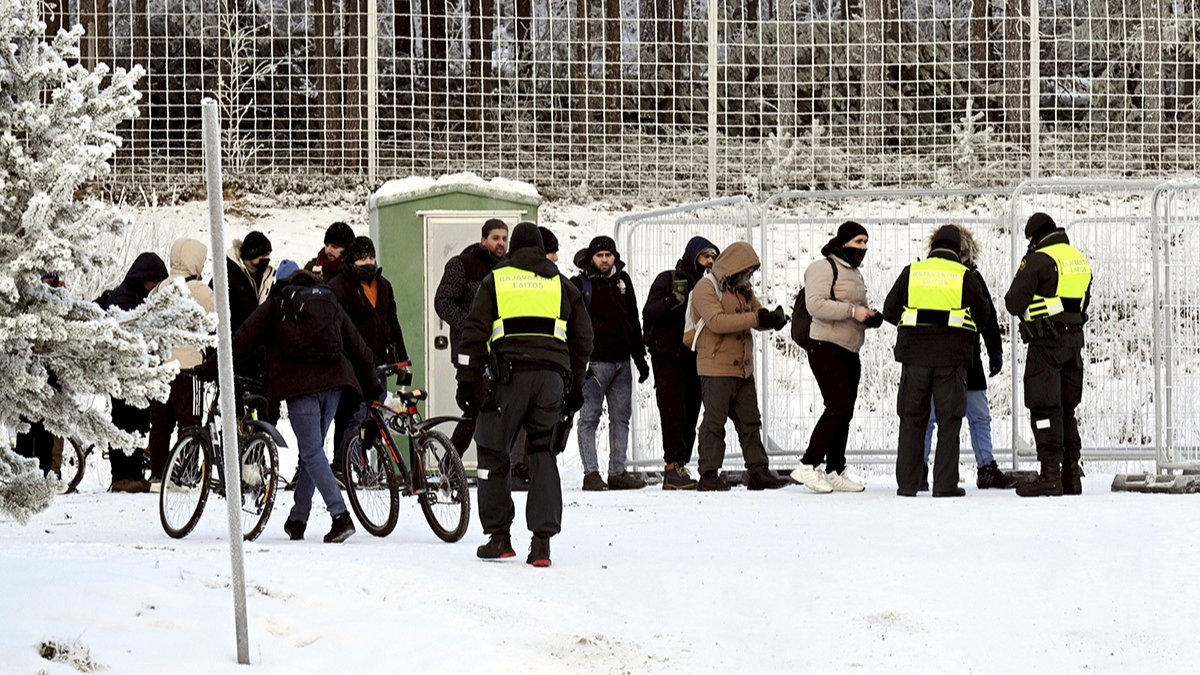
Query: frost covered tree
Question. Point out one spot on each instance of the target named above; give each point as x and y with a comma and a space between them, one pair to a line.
57, 134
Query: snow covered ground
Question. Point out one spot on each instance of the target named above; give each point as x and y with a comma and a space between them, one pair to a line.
645, 581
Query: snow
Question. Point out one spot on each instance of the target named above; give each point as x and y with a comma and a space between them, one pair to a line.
646, 581
400, 189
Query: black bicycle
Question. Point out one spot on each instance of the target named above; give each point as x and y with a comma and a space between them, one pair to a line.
189, 476
379, 470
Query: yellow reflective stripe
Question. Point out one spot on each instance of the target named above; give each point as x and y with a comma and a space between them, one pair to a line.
1074, 277
522, 299
936, 284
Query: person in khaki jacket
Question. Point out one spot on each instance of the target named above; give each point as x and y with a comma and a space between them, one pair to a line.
725, 311
840, 318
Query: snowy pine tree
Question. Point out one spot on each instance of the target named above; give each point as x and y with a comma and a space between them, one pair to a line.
57, 133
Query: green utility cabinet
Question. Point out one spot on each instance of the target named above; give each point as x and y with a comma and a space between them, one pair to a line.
418, 224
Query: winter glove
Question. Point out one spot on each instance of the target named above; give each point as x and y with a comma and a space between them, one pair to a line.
875, 320
573, 401
643, 370
674, 300
466, 398
995, 363
773, 320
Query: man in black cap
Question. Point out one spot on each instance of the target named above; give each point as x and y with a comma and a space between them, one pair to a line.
550, 242
610, 301
251, 276
452, 301
524, 345
1050, 295
328, 263
936, 306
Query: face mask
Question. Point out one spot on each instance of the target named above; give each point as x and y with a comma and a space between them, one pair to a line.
263, 264
854, 256
365, 272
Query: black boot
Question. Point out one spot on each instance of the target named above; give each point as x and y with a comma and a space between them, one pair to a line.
1049, 482
990, 476
923, 486
498, 546
1071, 475
539, 551
710, 481
952, 492
341, 530
764, 479
295, 529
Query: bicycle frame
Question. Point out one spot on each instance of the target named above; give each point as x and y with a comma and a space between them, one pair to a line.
388, 420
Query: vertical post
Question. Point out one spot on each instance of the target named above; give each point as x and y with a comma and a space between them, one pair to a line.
712, 98
372, 93
233, 473
1035, 89
1017, 229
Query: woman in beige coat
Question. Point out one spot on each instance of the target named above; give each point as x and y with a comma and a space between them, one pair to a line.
840, 318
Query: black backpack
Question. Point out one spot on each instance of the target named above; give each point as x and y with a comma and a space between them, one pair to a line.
308, 329
802, 320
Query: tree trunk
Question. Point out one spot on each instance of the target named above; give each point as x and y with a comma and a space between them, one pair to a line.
578, 92
612, 67
877, 17
354, 83
96, 17
1016, 75
1150, 88
325, 72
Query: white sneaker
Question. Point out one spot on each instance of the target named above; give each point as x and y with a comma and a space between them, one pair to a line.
843, 483
813, 478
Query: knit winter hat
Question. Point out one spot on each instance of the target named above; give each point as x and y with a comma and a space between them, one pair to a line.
286, 269
255, 245
602, 243
848, 231
525, 235
339, 234
493, 224
1039, 225
549, 241
359, 248
947, 237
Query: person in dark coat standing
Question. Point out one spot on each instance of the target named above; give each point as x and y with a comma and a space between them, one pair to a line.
529, 328
328, 263
550, 242
251, 276
145, 274
370, 302
676, 382
936, 306
455, 293
610, 300
1050, 295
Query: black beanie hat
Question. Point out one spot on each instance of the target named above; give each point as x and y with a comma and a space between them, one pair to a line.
339, 234
602, 243
255, 245
848, 231
524, 235
947, 237
493, 224
549, 241
1039, 225
359, 248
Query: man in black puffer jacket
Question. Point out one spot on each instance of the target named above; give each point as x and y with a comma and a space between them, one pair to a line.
676, 384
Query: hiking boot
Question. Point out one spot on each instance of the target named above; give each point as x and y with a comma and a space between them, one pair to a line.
952, 492
990, 476
342, 528
1071, 475
1049, 482
592, 482
764, 479
520, 478
625, 481
498, 546
901, 492
676, 477
295, 529
710, 481
923, 485
539, 551
840, 482
812, 478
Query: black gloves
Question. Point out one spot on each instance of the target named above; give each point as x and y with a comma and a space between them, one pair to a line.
573, 401
874, 321
675, 299
995, 363
773, 320
466, 398
643, 370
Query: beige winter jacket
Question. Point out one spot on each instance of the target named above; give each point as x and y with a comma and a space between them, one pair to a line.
187, 260
725, 347
833, 320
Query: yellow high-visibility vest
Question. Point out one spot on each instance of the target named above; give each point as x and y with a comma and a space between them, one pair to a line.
1074, 277
527, 304
936, 285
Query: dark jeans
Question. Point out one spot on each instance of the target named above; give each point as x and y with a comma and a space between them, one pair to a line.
838, 372
37, 444
531, 400
947, 386
183, 407
345, 418
1053, 389
730, 398
677, 392
135, 421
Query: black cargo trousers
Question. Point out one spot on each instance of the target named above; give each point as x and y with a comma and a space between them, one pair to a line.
947, 386
1053, 389
530, 400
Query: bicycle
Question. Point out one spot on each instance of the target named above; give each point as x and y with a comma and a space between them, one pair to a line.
378, 472
188, 476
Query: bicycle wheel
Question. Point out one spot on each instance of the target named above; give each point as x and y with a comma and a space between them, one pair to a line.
372, 486
260, 464
446, 502
185, 484
71, 464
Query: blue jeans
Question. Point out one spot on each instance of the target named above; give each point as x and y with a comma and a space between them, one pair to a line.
979, 421
311, 416
612, 381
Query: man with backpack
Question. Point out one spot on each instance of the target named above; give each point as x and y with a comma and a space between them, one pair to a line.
676, 382
611, 304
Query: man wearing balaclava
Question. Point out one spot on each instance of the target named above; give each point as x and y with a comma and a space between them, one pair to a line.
1049, 296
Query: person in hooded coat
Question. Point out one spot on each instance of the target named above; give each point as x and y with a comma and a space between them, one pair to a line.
676, 382
251, 276
840, 316
144, 275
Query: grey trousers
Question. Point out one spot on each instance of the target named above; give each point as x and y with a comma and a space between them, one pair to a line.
730, 398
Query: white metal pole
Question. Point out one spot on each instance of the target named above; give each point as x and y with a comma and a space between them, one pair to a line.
1035, 90
712, 99
233, 473
372, 93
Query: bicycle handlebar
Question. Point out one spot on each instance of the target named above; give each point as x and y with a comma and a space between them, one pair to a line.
401, 370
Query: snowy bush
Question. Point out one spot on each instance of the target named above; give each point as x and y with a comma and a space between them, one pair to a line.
23, 489
71, 652
57, 134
